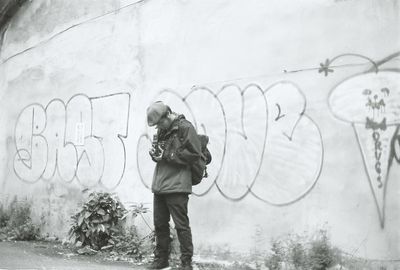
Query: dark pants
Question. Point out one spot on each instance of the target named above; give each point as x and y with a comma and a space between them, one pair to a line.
176, 205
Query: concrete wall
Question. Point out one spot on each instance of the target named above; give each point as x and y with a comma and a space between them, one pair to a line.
299, 142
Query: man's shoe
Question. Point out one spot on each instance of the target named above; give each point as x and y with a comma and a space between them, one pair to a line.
186, 266
159, 264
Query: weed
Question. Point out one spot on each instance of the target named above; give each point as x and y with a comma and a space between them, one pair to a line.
303, 253
16, 223
321, 254
277, 257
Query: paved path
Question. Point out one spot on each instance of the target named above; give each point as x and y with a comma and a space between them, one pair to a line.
36, 255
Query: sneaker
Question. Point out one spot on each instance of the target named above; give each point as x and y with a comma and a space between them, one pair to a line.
160, 264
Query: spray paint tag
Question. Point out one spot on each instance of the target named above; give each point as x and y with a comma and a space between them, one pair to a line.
80, 134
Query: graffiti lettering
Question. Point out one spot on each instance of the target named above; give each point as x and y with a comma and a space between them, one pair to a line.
279, 116
378, 154
248, 143
73, 140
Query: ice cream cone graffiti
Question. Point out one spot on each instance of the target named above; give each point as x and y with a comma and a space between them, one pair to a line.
371, 103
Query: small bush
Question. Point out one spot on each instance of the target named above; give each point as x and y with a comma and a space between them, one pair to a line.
101, 225
127, 243
321, 254
24, 232
16, 223
303, 253
99, 219
297, 254
276, 258
139, 247
4, 217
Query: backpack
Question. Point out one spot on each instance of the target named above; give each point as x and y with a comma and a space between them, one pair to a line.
199, 168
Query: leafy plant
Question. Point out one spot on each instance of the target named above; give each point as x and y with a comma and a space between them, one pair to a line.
127, 243
98, 220
136, 209
4, 217
303, 253
16, 223
20, 212
321, 254
24, 232
277, 256
297, 254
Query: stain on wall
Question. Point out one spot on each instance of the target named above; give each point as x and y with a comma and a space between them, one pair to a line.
20, 31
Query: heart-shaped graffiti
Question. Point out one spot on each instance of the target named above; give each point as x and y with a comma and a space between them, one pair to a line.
294, 156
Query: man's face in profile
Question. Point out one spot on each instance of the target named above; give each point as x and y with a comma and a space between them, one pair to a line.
164, 122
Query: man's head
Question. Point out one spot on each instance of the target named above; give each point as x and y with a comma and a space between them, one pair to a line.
159, 115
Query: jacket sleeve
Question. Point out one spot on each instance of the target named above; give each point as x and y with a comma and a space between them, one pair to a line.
187, 147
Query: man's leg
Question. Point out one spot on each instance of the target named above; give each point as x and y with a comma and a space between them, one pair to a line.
161, 225
178, 207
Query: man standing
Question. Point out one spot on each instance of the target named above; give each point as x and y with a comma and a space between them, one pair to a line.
175, 147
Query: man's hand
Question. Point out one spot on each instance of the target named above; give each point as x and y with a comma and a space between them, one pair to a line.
156, 154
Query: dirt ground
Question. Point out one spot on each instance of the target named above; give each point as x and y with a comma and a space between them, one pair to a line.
34, 255
47, 255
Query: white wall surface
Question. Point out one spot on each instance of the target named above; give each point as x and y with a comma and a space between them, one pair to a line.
292, 151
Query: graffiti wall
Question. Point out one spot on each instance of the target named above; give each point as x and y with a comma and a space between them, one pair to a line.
304, 134
252, 131
75, 140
